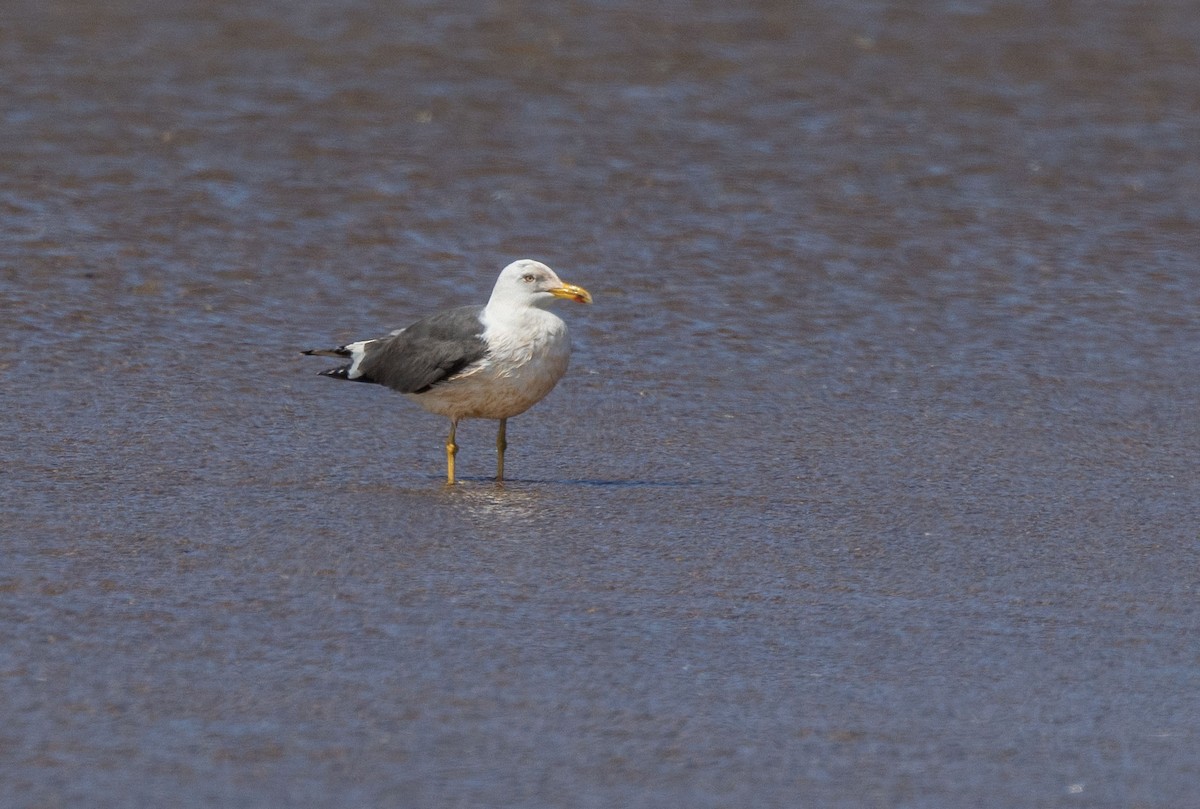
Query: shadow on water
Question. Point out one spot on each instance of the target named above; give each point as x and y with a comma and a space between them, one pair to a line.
590, 482
525, 501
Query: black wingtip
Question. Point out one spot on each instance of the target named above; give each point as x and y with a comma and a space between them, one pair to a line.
340, 351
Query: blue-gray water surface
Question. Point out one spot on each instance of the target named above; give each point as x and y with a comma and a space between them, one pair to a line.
873, 482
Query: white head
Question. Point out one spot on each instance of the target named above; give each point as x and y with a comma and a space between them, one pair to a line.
532, 283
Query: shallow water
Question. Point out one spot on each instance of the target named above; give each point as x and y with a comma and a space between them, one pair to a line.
873, 482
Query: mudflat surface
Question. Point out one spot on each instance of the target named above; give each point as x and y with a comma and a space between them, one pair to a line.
873, 482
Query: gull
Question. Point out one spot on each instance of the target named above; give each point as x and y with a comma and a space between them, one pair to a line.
474, 362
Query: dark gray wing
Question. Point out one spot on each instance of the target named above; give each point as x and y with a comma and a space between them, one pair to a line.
427, 352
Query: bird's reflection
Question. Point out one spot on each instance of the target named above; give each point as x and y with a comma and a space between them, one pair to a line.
506, 505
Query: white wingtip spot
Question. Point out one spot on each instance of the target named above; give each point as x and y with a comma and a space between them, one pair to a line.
357, 352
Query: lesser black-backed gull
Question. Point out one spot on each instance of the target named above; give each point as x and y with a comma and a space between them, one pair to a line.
474, 362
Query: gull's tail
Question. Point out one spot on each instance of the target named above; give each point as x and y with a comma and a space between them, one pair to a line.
348, 371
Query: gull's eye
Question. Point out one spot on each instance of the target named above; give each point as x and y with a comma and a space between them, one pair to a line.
527, 278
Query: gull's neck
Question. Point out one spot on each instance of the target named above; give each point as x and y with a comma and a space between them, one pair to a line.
509, 310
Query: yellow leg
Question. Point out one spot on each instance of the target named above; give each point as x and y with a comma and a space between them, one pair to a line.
501, 445
451, 451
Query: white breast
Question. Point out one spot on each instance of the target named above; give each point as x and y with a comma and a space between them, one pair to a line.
527, 356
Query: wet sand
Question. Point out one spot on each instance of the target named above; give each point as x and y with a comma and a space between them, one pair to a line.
872, 483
